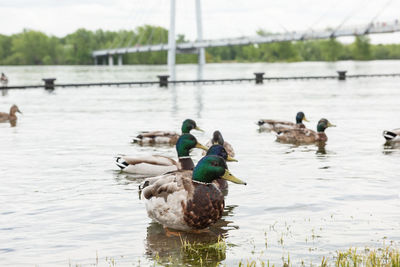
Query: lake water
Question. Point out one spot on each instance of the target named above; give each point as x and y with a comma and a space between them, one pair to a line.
64, 202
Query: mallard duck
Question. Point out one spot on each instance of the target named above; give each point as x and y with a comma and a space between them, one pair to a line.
305, 136
218, 139
392, 136
165, 137
278, 126
10, 117
188, 200
156, 165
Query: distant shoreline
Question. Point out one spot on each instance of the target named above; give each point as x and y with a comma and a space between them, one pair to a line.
36, 48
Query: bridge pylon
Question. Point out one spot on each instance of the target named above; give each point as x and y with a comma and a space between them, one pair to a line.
172, 41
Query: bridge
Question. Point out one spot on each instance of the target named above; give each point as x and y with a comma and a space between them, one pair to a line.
289, 36
200, 45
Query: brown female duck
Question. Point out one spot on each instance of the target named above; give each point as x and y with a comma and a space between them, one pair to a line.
219, 140
10, 117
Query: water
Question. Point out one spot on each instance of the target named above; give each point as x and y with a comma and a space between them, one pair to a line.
63, 201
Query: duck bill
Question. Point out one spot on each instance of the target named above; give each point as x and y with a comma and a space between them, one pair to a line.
304, 119
19, 111
229, 158
198, 145
229, 177
199, 129
331, 125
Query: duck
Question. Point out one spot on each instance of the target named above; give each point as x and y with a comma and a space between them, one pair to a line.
392, 136
218, 139
165, 137
304, 135
278, 126
188, 200
157, 164
10, 117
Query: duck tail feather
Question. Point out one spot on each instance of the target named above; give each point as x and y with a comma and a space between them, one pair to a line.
121, 163
389, 135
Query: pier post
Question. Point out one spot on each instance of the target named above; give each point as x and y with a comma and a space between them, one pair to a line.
95, 61
110, 60
259, 77
163, 80
119, 60
49, 83
342, 75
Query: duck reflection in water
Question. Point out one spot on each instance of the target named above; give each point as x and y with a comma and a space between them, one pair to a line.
321, 148
391, 148
190, 248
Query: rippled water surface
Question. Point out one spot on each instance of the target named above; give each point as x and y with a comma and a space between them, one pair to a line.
63, 201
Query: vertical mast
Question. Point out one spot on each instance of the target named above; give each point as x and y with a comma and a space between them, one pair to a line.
172, 42
201, 55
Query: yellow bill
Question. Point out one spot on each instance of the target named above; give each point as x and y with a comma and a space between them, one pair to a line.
229, 158
331, 125
199, 129
229, 177
304, 119
198, 145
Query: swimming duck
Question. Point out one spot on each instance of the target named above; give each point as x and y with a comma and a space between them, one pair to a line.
165, 137
278, 126
218, 139
188, 200
392, 136
304, 135
157, 165
10, 117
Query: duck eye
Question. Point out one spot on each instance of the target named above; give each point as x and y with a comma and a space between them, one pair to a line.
214, 163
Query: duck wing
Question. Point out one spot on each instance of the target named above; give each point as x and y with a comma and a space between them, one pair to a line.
4, 116
297, 135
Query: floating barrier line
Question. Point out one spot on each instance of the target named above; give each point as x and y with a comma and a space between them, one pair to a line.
163, 80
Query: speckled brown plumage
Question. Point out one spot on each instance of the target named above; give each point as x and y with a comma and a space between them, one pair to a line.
278, 126
302, 136
205, 208
200, 205
157, 137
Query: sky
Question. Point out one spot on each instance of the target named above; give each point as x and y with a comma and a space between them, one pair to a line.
221, 18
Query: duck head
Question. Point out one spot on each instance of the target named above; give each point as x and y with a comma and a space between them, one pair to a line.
219, 150
188, 125
185, 143
217, 138
323, 124
211, 168
300, 117
14, 109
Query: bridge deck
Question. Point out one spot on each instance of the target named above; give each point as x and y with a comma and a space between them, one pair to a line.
289, 36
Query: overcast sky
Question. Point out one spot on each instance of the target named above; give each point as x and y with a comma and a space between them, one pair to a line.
221, 18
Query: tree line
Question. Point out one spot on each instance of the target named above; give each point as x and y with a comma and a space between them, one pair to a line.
36, 48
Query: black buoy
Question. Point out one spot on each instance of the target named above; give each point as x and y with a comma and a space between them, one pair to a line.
49, 83
342, 75
259, 77
163, 80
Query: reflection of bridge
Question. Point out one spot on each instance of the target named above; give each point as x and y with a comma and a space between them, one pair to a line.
199, 45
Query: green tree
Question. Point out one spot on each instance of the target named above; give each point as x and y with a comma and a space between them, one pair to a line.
361, 48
